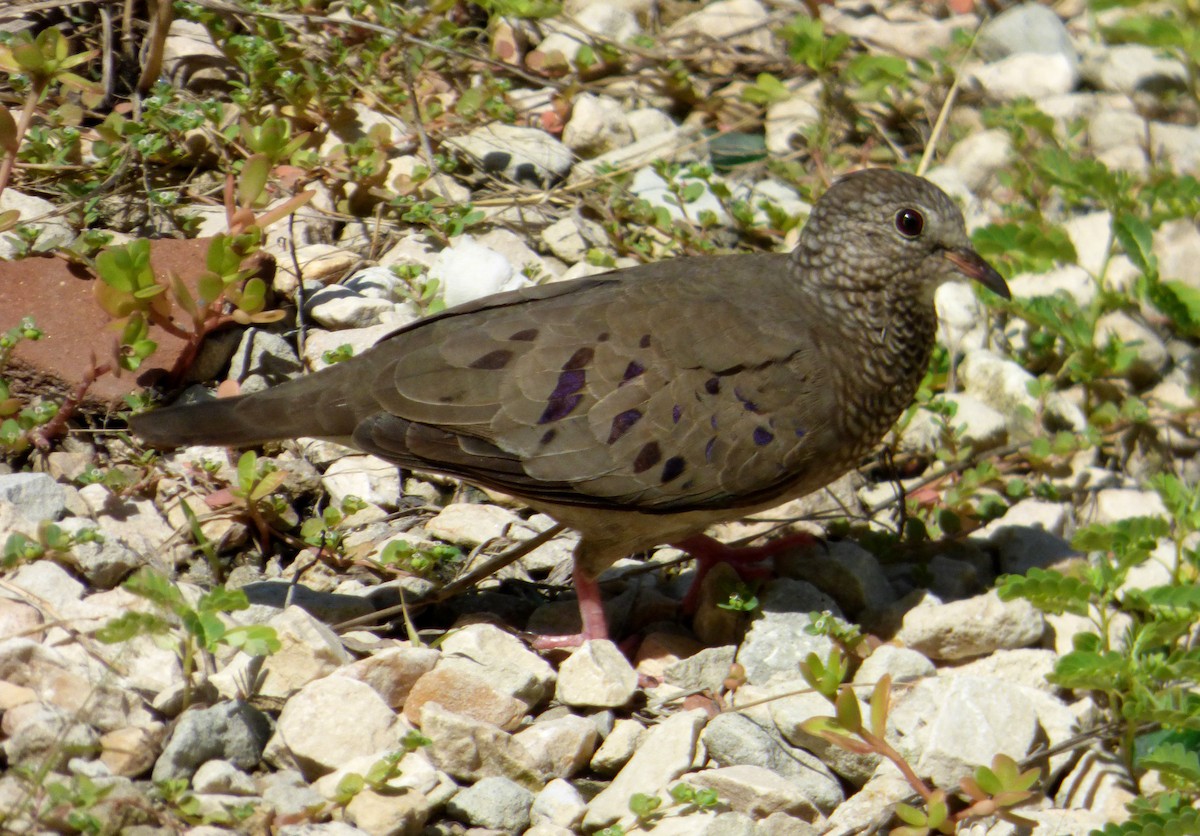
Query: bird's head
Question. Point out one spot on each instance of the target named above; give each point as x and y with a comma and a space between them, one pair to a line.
879, 229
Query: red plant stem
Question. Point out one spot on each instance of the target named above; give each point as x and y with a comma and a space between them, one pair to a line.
40, 437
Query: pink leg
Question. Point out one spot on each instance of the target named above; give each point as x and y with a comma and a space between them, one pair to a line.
591, 615
708, 552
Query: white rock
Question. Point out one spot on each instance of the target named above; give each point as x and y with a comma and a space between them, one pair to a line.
319, 341
608, 20
648, 185
1003, 385
863, 811
618, 747
962, 319
523, 155
1152, 357
565, 745
558, 803
672, 145
597, 124
1176, 145
950, 725
470, 750
1070, 279
217, 776
1091, 235
500, 658
369, 478
471, 523
38, 214
1025, 74
1113, 504
735, 23
309, 651
1177, 248
911, 38
648, 121
972, 627
467, 270
330, 721
979, 156
1127, 68
596, 675
666, 752
789, 122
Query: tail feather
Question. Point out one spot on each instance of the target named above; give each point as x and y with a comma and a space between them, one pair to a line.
312, 405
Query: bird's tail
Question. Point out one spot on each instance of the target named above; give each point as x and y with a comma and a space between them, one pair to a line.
313, 405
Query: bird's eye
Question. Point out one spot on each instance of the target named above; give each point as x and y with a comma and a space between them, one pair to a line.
909, 222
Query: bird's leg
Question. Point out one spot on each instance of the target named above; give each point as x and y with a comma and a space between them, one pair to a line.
708, 552
591, 615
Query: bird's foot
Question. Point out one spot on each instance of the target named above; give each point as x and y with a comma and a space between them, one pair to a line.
591, 616
708, 552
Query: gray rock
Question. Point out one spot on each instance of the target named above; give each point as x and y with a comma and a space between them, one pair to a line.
789, 713
35, 496
233, 731
706, 669
1029, 27
263, 359
268, 597
289, 794
901, 663
497, 803
1030, 534
850, 573
778, 640
559, 803
105, 564
736, 740
758, 792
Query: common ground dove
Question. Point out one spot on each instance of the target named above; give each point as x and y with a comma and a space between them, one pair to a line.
641, 406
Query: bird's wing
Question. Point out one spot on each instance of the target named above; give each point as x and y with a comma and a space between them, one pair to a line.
655, 392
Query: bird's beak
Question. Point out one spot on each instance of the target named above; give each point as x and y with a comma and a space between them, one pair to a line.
971, 265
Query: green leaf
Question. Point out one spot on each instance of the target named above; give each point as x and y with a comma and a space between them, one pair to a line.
1048, 590
1097, 671
1137, 239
